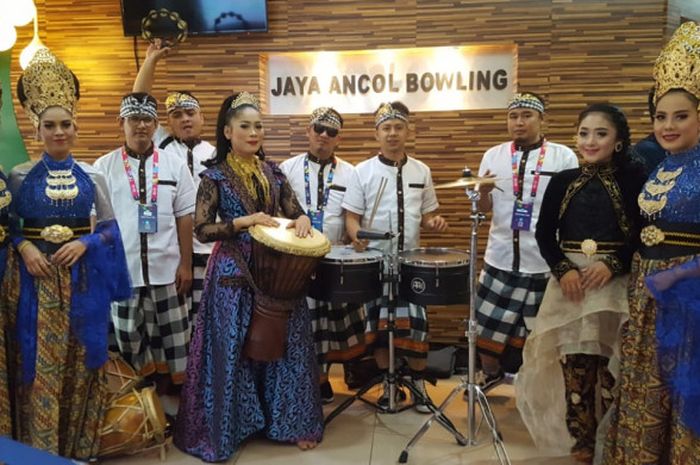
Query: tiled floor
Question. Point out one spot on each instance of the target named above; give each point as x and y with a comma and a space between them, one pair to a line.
359, 436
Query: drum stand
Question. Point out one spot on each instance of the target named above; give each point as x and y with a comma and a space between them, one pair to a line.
394, 377
475, 394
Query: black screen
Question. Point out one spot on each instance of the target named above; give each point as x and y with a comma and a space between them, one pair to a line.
202, 16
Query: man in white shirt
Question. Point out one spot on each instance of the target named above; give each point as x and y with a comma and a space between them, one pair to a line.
512, 283
153, 196
319, 179
183, 138
408, 203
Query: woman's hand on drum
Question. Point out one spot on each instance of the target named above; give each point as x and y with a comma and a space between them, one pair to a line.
35, 261
302, 226
595, 276
263, 219
69, 253
571, 286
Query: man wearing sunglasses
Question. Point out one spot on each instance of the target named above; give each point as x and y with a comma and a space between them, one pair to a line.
319, 179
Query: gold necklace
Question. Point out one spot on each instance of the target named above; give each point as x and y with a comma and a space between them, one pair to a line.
5, 195
61, 185
653, 198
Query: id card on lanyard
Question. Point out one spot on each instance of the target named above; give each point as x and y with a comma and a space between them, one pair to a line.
522, 209
316, 216
148, 213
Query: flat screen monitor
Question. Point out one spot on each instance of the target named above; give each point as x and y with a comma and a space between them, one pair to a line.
202, 16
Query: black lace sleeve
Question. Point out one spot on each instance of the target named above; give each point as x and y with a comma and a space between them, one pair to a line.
547, 229
290, 206
205, 226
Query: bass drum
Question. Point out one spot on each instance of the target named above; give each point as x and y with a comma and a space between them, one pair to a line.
434, 276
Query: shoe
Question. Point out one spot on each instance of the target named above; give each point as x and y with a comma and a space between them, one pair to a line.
487, 382
327, 393
419, 405
383, 400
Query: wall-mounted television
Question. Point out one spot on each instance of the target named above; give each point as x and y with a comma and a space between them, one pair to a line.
202, 16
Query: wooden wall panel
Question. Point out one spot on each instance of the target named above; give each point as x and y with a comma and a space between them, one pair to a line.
573, 52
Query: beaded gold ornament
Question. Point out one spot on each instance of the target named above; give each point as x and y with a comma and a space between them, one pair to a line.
5, 195
678, 64
61, 185
47, 82
653, 197
245, 98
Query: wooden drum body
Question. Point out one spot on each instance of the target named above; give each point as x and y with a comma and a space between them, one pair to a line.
282, 267
434, 276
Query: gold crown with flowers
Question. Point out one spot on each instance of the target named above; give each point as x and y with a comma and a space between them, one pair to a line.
386, 112
245, 98
678, 64
178, 100
48, 82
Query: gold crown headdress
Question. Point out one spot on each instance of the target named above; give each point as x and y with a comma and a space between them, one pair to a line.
678, 64
526, 100
245, 98
48, 82
326, 116
387, 112
180, 100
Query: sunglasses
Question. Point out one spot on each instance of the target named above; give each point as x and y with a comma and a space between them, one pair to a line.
319, 129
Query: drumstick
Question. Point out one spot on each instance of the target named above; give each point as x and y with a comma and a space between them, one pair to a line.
382, 186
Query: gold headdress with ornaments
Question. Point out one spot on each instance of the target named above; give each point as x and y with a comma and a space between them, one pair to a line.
678, 64
48, 82
180, 100
386, 112
245, 98
326, 116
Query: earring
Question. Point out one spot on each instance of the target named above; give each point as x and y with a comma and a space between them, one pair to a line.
618, 146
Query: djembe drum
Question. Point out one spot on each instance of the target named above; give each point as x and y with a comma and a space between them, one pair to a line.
282, 267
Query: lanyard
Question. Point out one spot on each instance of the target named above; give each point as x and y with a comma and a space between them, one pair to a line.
130, 175
538, 169
307, 184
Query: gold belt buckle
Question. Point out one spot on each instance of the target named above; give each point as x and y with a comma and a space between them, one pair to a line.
652, 235
589, 247
57, 234
3, 234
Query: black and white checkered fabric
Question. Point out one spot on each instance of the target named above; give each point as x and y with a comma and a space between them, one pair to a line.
507, 303
199, 269
339, 331
152, 330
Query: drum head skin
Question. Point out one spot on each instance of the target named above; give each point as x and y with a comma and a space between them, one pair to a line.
285, 240
347, 254
434, 257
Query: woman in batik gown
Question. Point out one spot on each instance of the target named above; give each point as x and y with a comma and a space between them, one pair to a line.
66, 276
5, 410
655, 419
227, 397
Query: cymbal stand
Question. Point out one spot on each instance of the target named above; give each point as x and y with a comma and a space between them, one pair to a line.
474, 392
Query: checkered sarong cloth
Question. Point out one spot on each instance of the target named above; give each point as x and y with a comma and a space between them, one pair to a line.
506, 304
411, 339
152, 330
199, 269
339, 331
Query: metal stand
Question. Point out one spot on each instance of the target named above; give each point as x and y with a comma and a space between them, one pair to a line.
393, 377
474, 392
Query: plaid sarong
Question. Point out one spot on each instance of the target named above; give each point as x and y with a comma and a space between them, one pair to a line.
339, 331
199, 269
411, 338
153, 332
506, 305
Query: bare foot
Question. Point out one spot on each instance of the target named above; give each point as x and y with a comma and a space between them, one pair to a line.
306, 445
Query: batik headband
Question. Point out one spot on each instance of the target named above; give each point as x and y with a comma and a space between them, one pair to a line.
387, 112
326, 116
133, 106
526, 100
180, 101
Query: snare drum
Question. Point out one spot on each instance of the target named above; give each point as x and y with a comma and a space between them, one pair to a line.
347, 276
434, 276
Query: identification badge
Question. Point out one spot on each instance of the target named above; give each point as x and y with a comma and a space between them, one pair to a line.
317, 219
522, 216
148, 218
